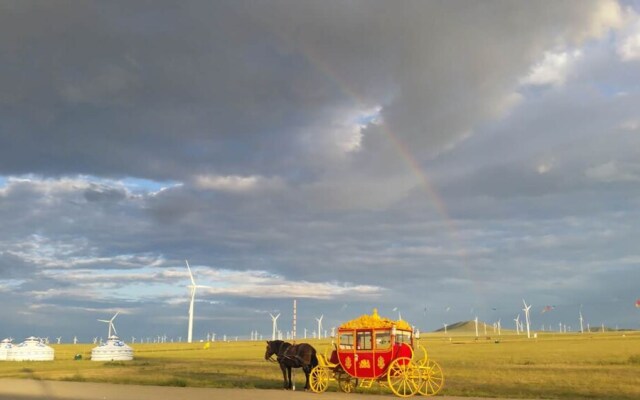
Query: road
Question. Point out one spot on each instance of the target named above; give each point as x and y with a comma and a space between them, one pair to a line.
25, 389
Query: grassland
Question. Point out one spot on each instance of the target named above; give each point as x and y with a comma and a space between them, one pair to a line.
567, 366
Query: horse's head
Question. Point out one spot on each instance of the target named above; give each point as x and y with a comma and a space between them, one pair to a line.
272, 349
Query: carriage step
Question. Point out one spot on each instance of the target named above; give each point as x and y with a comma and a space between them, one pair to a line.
366, 383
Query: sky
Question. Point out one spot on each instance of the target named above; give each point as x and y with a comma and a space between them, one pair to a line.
438, 160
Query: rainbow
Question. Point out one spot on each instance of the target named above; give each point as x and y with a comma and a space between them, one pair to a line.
401, 148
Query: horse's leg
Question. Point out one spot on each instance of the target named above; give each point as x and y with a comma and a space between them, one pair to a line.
290, 382
284, 375
307, 371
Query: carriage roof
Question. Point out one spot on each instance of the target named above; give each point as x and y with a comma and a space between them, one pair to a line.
374, 321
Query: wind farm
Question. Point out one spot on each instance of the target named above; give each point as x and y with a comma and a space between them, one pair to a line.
506, 365
494, 363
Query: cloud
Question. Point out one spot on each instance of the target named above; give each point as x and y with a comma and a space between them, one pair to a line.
630, 125
612, 172
552, 70
236, 184
339, 153
544, 167
605, 15
630, 49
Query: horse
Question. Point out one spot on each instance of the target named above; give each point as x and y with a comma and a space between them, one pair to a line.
289, 356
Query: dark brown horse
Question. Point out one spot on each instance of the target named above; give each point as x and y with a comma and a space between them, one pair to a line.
289, 356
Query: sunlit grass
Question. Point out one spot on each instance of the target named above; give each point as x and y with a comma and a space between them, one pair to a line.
569, 366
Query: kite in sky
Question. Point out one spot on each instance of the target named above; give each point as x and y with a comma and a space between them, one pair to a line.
638, 303
547, 308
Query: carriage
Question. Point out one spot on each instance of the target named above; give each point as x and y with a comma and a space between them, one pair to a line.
375, 349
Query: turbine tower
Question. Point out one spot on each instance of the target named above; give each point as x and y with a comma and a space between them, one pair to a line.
192, 289
275, 326
581, 321
476, 321
526, 316
517, 320
320, 326
110, 322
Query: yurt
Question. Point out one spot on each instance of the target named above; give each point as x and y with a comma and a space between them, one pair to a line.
113, 350
32, 349
5, 346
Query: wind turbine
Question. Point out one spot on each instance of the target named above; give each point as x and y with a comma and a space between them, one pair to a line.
517, 320
526, 316
275, 326
581, 321
476, 321
111, 326
320, 326
192, 288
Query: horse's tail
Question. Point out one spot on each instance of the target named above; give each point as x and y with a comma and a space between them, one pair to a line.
314, 360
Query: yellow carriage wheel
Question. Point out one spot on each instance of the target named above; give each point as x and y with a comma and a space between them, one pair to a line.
403, 377
432, 378
319, 379
425, 356
346, 383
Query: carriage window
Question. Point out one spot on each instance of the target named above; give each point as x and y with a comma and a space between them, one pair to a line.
383, 340
364, 340
346, 340
403, 337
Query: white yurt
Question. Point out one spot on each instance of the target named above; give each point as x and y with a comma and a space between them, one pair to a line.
5, 346
32, 349
113, 350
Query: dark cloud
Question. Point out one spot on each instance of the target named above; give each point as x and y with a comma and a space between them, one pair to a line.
400, 155
118, 89
102, 194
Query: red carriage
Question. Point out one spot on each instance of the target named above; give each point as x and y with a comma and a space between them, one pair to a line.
374, 349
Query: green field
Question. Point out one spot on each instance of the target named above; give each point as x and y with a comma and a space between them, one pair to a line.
560, 366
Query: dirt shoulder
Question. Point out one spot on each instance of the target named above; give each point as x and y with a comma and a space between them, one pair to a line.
25, 389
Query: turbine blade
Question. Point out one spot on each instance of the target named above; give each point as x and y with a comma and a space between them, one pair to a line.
190, 274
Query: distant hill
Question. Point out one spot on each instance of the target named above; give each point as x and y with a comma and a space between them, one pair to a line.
469, 327
466, 327
597, 329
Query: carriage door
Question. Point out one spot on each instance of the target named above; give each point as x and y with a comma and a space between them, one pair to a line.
346, 352
364, 354
383, 351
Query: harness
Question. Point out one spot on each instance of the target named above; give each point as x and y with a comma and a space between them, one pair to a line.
281, 355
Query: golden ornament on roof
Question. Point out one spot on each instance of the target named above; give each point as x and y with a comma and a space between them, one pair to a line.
375, 321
